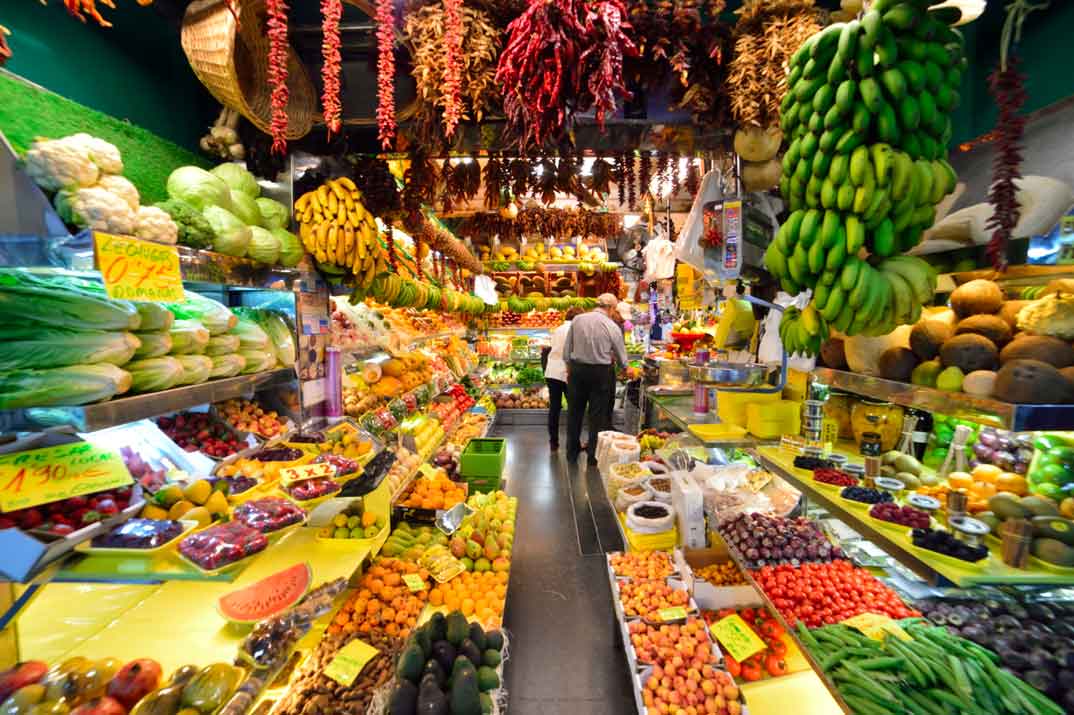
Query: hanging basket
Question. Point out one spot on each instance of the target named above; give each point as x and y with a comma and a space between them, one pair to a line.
231, 60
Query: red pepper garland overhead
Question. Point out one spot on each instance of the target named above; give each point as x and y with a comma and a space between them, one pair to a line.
277, 72
331, 13
453, 36
605, 24
385, 73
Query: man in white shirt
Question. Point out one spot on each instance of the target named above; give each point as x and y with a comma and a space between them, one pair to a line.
593, 348
555, 376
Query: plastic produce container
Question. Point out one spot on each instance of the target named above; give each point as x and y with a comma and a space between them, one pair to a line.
483, 458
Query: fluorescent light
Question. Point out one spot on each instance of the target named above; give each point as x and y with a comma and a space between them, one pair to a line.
631, 220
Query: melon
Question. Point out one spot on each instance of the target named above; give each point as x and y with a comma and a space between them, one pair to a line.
371, 373
268, 597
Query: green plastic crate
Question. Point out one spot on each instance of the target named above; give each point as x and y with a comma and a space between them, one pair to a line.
483, 485
483, 458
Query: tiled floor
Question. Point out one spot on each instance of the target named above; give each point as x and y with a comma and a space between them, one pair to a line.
565, 659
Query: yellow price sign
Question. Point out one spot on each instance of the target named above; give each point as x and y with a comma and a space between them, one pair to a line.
676, 613
414, 582
40, 476
349, 661
427, 470
736, 637
875, 626
134, 269
290, 475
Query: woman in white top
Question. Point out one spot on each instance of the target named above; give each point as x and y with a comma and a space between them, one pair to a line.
555, 376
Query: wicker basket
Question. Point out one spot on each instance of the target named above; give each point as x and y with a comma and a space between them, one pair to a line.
231, 60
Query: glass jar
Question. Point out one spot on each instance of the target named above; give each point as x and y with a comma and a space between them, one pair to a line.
881, 418
838, 407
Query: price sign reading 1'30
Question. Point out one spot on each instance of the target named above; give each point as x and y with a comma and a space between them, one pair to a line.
133, 269
40, 476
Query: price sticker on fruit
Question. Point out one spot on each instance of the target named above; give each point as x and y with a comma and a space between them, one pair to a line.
736, 637
133, 269
414, 582
41, 476
349, 661
290, 475
675, 613
876, 626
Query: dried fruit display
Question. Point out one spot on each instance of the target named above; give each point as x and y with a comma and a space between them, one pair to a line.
385, 72
767, 33
277, 72
426, 30
331, 13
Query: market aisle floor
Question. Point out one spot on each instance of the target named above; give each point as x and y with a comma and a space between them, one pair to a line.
559, 604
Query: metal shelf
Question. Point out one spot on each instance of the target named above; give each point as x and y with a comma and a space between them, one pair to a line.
90, 418
995, 413
522, 329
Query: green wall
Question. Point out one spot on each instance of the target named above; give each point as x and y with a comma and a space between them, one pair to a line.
135, 71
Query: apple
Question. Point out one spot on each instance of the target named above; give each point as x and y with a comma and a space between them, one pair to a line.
134, 681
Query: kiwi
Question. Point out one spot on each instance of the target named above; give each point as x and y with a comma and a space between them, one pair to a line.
969, 352
976, 298
990, 326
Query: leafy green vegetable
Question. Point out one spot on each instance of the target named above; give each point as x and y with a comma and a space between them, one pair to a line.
71, 385
264, 246
33, 346
196, 369
189, 337
245, 208
530, 376
291, 250
154, 374
194, 229
279, 332
227, 366
238, 179
215, 317
199, 188
154, 344
222, 345
60, 302
251, 336
232, 235
258, 361
273, 213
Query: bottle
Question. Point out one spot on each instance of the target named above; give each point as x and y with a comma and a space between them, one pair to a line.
922, 430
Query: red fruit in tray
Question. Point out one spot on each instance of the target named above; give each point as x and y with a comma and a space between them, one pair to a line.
775, 665
100, 706
134, 681
23, 674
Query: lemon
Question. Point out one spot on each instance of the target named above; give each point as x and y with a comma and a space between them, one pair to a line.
217, 503
179, 509
199, 514
198, 491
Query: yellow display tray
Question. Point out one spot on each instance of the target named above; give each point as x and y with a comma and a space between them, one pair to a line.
717, 432
87, 547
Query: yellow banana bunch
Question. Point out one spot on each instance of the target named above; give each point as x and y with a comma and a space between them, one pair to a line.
337, 229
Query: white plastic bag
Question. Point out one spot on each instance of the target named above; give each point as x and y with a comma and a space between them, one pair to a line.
643, 525
771, 349
659, 259
688, 247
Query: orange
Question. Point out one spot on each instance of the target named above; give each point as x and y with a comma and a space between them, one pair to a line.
435, 597
467, 606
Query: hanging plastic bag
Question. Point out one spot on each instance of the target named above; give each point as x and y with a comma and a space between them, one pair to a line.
688, 247
659, 259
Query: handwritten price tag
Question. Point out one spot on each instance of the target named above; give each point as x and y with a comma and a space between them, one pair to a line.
133, 269
875, 626
427, 470
40, 476
349, 661
413, 582
290, 475
677, 613
736, 637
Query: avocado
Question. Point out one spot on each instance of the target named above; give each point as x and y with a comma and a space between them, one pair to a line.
486, 704
462, 664
431, 700
1039, 506
909, 480
411, 663
444, 653
487, 679
1054, 552
457, 628
471, 651
465, 695
494, 639
433, 668
437, 627
423, 638
1006, 506
404, 699
477, 635
491, 658
1054, 527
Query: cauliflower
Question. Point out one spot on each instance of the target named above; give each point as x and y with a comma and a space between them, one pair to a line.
58, 164
156, 225
95, 208
122, 188
1051, 315
104, 154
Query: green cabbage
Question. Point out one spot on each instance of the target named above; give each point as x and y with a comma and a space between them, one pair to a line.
154, 345
273, 213
215, 317
196, 369
71, 385
264, 246
34, 346
258, 360
194, 230
238, 179
276, 328
291, 251
232, 235
227, 366
251, 336
199, 188
61, 302
188, 337
154, 316
154, 374
222, 345
245, 208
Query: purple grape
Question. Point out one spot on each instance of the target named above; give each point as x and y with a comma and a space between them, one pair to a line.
1003, 460
982, 451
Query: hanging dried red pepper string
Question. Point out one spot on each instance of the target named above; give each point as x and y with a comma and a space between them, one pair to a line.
389, 238
605, 24
331, 13
417, 257
385, 73
452, 88
277, 72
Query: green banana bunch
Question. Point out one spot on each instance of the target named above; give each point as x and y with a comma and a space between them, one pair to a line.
803, 331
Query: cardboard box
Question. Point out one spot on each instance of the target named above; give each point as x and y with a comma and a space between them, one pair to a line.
706, 595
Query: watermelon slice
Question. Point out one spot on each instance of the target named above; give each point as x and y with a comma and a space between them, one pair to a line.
268, 597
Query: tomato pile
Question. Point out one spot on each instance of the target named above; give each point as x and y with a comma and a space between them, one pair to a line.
768, 662
823, 593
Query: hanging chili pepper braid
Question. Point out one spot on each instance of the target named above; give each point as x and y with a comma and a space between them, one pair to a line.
676, 174
621, 177
385, 73
452, 89
631, 180
693, 177
1007, 88
645, 173
331, 13
605, 24
277, 72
